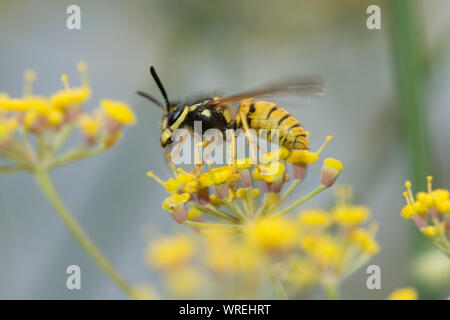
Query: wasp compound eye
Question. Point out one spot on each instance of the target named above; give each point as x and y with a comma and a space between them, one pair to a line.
173, 116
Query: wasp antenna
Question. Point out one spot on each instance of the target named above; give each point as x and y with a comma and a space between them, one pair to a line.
160, 86
152, 99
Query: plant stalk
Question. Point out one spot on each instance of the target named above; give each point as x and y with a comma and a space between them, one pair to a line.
45, 183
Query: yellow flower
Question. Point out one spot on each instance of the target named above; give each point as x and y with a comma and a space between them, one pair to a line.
31, 117
430, 231
39, 104
350, 215
302, 273
364, 240
308, 241
70, 97
194, 214
272, 234
173, 202
245, 163
216, 176
55, 117
302, 157
242, 193
216, 201
406, 293
183, 182
430, 206
305, 157
7, 127
118, 111
441, 200
88, 125
324, 249
227, 255
280, 154
171, 252
13, 105
421, 208
314, 218
184, 282
443, 206
408, 211
270, 172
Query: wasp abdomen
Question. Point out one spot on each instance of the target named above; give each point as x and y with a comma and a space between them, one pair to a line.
267, 115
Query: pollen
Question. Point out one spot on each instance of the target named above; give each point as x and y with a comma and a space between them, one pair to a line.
118, 111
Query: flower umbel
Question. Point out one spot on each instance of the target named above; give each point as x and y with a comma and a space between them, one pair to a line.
33, 129
247, 231
430, 212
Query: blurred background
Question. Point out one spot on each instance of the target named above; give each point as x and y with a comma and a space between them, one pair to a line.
387, 105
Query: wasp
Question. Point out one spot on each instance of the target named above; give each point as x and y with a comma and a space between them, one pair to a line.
239, 111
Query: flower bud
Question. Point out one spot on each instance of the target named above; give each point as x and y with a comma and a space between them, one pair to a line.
203, 196
175, 204
246, 178
222, 190
299, 171
330, 171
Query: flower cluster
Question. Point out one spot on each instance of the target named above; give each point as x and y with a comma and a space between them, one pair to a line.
316, 247
430, 212
34, 128
229, 194
246, 236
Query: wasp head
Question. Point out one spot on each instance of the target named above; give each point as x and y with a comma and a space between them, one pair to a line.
172, 121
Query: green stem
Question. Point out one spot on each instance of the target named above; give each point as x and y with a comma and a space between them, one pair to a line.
331, 291
409, 51
442, 237
4, 169
62, 137
290, 189
77, 154
302, 200
45, 183
212, 225
216, 213
278, 287
235, 209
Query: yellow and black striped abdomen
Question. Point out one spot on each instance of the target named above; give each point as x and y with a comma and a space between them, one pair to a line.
269, 116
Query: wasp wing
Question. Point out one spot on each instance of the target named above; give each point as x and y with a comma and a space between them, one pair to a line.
312, 85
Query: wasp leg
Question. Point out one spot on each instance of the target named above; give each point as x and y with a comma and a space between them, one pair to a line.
208, 151
253, 146
232, 156
178, 148
198, 159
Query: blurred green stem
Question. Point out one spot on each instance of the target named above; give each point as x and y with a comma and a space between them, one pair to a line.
409, 53
276, 283
278, 287
331, 292
301, 200
45, 183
